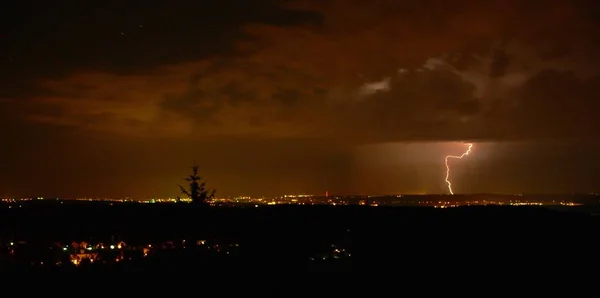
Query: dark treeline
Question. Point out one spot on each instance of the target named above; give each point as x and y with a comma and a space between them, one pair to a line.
288, 236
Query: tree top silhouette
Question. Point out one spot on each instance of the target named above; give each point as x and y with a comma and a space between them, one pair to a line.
196, 189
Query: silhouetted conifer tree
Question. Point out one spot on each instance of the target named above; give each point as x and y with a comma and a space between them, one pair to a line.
196, 190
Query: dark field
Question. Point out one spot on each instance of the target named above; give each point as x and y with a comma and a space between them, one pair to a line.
312, 238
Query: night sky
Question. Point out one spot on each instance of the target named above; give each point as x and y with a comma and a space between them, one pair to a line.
119, 98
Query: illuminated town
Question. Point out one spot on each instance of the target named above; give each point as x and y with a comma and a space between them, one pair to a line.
436, 201
81, 252
160, 233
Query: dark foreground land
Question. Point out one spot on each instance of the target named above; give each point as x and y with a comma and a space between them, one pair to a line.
137, 237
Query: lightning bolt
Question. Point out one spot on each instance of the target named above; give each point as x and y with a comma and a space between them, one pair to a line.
448, 166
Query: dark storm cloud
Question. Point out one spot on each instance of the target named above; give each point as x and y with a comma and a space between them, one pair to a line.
455, 70
499, 64
288, 97
416, 103
194, 103
49, 39
484, 59
553, 104
183, 103
234, 93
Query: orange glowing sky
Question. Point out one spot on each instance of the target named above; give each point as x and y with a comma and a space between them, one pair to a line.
279, 96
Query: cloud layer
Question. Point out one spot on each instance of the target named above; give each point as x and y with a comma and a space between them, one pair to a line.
353, 72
